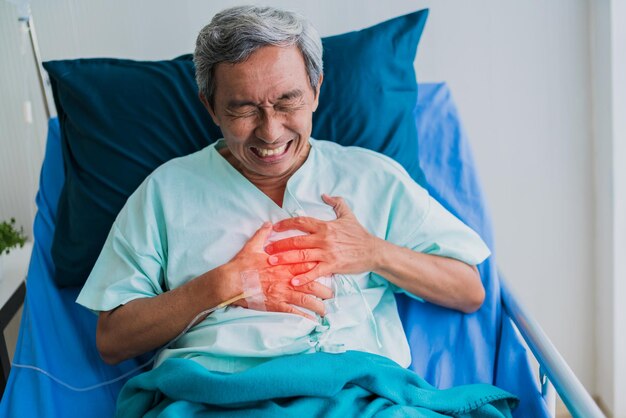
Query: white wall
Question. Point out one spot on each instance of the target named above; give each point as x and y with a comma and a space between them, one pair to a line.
603, 189
618, 110
520, 73
609, 128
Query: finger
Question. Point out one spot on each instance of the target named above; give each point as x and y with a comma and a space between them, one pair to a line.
305, 301
317, 289
339, 205
284, 273
257, 241
285, 307
293, 243
306, 278
296, 256
300, 268
300, 223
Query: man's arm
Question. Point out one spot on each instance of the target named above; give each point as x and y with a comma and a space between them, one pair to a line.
344, 246
149, 323
440, 280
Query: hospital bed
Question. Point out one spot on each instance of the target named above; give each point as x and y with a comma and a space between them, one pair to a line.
57, 336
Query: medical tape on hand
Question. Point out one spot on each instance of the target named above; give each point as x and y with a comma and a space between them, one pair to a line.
252, 288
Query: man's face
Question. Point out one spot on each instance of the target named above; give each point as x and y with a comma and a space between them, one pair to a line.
264, 107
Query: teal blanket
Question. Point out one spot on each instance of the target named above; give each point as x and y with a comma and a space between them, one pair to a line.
351, 384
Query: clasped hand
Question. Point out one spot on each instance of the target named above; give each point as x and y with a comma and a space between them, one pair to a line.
342, 246
287, 268
279, 294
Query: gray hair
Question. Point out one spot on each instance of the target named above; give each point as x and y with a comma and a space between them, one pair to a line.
235, 33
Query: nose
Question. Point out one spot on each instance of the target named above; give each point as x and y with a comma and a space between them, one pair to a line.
270, 127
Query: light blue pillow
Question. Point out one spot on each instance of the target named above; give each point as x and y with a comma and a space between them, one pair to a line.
120, 119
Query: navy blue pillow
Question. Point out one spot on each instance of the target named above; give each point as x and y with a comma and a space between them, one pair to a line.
120, 119
369, 89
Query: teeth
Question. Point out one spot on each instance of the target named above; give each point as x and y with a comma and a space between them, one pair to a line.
269, 152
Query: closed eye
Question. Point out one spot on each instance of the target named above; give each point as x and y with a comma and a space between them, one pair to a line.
288, 108
242, 112
290, 104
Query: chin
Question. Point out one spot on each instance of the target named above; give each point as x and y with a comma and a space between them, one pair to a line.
272, 171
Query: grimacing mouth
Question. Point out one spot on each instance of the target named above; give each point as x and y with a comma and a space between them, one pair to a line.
266, 152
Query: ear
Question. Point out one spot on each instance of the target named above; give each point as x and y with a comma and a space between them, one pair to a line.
316, 101
209, 108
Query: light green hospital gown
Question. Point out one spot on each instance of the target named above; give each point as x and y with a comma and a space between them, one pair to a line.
195, 213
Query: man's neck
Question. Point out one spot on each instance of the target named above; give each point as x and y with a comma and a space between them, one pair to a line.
274, 187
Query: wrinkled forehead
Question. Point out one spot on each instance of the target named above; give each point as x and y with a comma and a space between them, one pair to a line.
269, 73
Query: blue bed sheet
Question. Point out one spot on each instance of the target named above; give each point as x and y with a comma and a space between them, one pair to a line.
448, 348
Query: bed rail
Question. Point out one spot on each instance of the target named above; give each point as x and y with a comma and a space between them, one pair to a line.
551, 363
26, 19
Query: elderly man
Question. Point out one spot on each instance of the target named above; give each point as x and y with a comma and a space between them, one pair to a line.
261, 209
